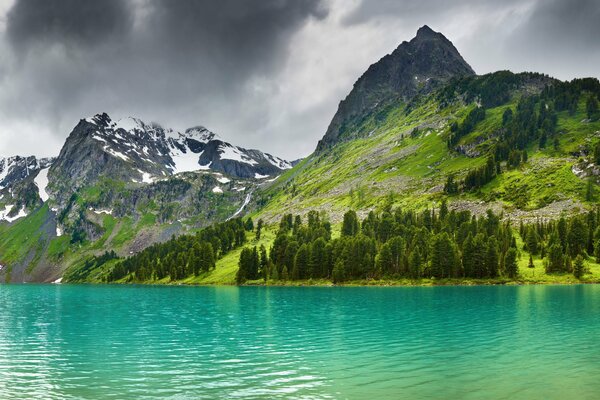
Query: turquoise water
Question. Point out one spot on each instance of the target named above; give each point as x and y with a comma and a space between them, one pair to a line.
69, 341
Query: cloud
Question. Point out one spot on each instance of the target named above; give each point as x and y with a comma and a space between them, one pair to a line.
267, 74
85, 23
181, 62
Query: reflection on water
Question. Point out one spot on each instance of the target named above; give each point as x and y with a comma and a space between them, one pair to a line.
66, 341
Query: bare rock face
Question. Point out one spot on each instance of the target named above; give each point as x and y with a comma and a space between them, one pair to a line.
131, 150
414, 67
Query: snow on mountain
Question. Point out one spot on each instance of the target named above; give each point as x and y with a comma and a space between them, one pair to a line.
15, 169
155, 150
5, 214
41, 181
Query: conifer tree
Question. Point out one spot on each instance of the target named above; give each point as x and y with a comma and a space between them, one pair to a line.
414, 263
511, 268
578, 267
350, 225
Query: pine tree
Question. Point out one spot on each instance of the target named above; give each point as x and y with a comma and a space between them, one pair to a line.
318, 259
300, 270
414, 263
491, 258
339, 272
350, 224
444, 260
259, 226
264, 263
284, 274
511, 268
384, 261
531, 264
555, 262
451, 186
592, 107
578, 267
532, 241
577, 236
590, 194
469, 257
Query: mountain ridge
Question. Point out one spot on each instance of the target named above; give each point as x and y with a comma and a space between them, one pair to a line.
413, 67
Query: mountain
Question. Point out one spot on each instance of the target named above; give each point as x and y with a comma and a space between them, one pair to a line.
130, 150
524, 145
120, 185
415, 67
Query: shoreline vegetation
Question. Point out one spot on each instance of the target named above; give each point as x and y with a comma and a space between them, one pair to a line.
391, 248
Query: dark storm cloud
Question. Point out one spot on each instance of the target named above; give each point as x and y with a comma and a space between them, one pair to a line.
80, 21
182, 62
262, 73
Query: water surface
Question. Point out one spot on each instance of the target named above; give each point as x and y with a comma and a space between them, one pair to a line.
69, 341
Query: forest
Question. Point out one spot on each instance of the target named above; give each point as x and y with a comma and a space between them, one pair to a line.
182, 256
412, 245
533, 120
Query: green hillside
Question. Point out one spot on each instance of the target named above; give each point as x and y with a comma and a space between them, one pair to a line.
400, 155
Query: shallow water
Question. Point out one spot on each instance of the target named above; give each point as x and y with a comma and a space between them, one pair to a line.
70, 341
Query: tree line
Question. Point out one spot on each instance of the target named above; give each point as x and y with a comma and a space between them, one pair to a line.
392, 244
183, 256
560, 243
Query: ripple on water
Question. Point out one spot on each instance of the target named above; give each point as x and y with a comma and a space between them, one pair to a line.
145, 342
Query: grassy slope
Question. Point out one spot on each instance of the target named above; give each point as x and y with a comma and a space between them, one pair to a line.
122, 235
225, 271
362, 173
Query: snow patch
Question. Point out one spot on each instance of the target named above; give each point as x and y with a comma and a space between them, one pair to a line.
116, 153
222, 179
217, 189
184, 162
108, 212
41, 181
146, 177
278, 162
4, 214
205, 167
59, 280
59, 231
128, 124
228, 152
99, 138
259, 176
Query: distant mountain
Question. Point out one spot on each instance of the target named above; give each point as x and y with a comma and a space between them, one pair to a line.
414, 67
131, 150
125, 184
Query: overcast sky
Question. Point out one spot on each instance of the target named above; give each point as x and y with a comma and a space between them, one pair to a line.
264, 74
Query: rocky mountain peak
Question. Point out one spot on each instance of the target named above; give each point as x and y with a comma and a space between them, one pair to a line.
137, 153
426, 32
414, 67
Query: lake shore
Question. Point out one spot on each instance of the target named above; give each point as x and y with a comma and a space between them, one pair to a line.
558, 280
